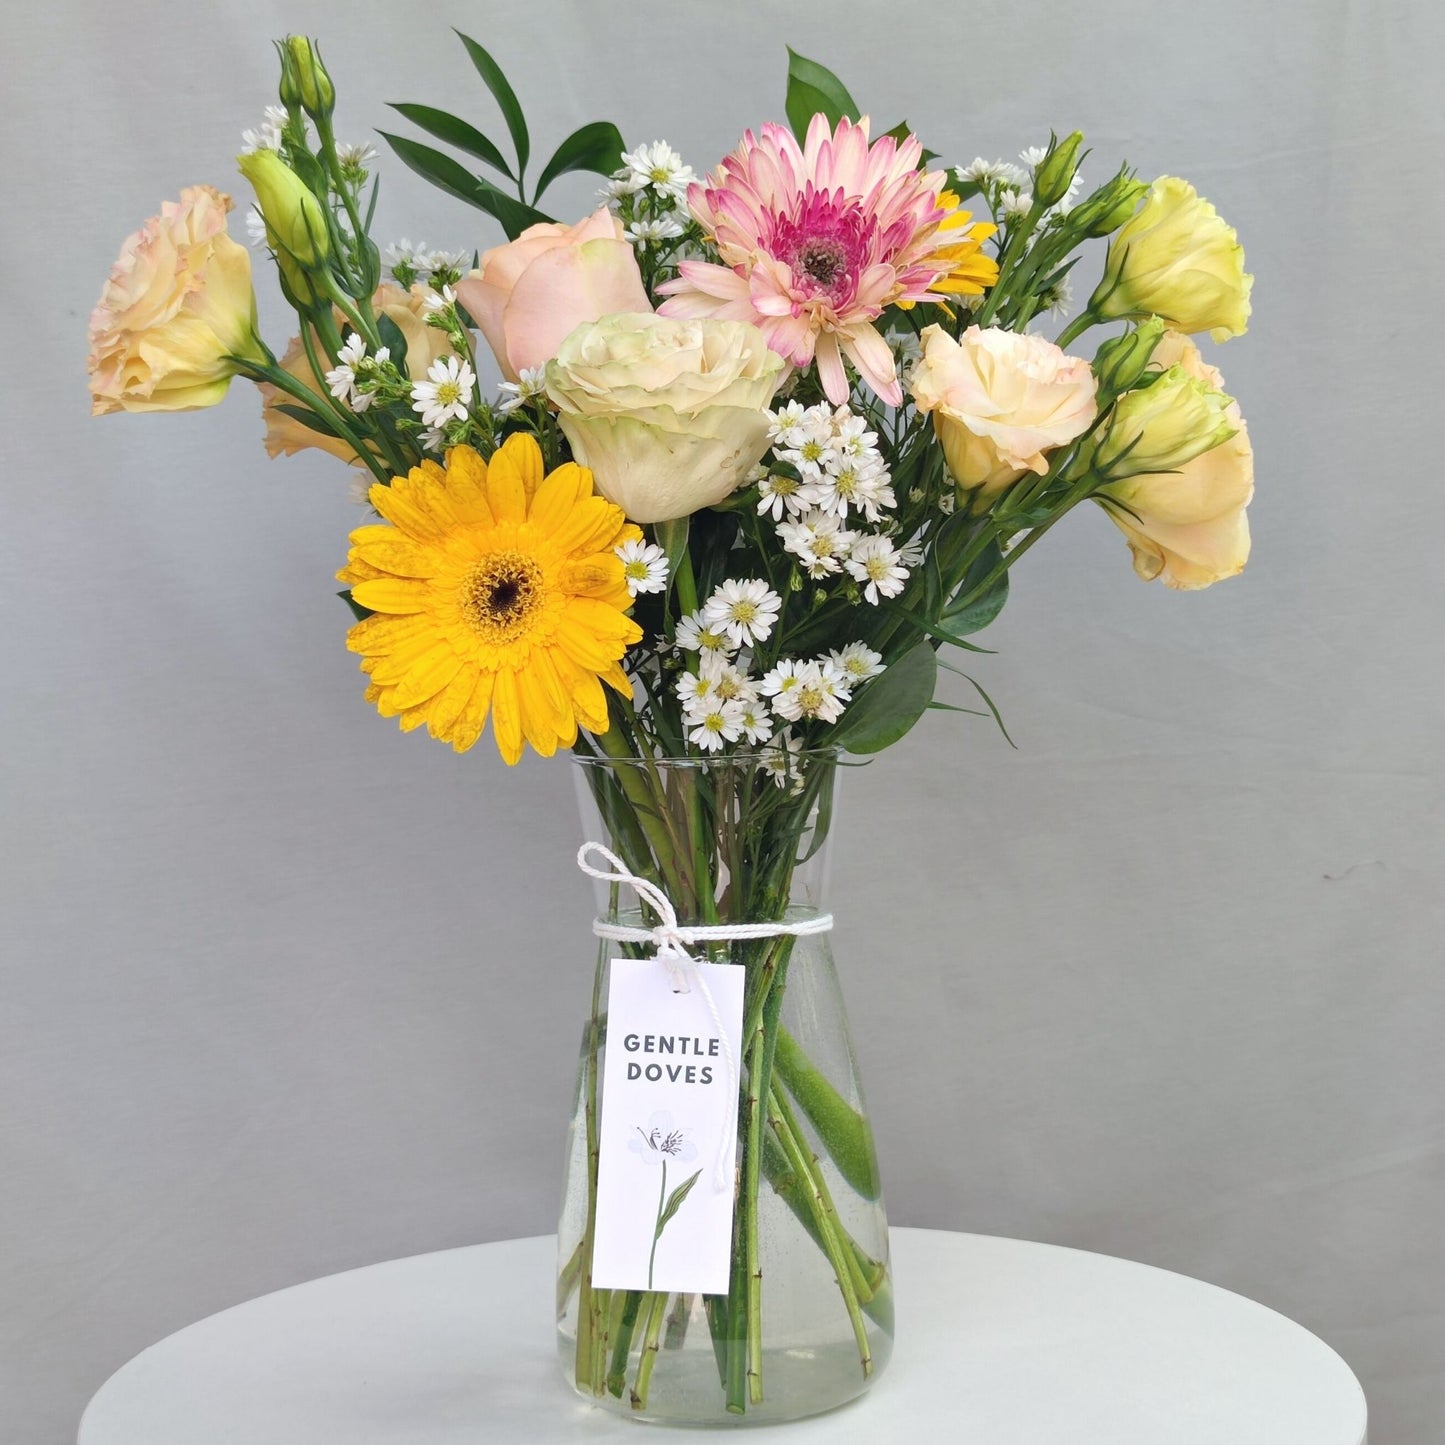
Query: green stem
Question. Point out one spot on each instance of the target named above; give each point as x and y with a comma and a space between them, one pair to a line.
657, 1227
1076, 328
622, 1344
651, 1343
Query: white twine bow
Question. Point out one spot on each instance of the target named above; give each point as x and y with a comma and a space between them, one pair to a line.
670, 941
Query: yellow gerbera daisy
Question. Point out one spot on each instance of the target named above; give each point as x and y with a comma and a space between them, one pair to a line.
493, 589
970, 272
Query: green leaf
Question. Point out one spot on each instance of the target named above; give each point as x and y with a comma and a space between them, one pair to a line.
357, 610
674, 1202
988, 702
307, 418
596, 147
936, 630
889, 705
976, 614
814, 89
506, 97
456, 180
671, 536
455, 132
392, 338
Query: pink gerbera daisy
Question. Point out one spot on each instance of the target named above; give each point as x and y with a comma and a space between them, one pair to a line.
815, 241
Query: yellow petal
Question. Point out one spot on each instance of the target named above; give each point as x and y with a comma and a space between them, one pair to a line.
469, 725
507, 717
506, 492
522, 452
557, 496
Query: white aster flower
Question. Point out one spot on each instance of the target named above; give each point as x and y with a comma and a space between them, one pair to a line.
444, 265
530, 383
1032, 156
816, 689
862, 486
697, 691
357, 157
1014, 203
644, 566
1058, 298
716, 723
780, 759
446, 393
779, 494
876, 561
851, 437
405, 261
784, 420
728, 682
435, 302
256, 228
267, 135
820, 542
754, 720
809, 447
659, 166
649, 232
989, 173
745, 609
433, 439
695, 634
341, 379
858, 662
620, 183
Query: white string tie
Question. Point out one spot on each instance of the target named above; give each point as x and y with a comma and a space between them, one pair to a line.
670, 941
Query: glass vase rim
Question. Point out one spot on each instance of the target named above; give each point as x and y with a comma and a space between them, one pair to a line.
739, 757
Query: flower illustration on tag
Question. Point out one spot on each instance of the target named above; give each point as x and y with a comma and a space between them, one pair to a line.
661, 1143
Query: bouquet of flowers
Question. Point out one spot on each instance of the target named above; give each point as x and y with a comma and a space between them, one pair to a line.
766, 446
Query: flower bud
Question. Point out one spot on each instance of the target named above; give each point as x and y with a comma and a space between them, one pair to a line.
1102, 213
1176, 258
1055, 172
295, 221
313, 84
1120, 362
290, 87
1160, 427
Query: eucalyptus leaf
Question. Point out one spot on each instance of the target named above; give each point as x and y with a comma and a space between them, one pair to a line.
596, 147
455, 132
978, 612
814, 89
890, 704
506, 97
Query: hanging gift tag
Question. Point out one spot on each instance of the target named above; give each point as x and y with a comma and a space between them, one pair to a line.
665, 1169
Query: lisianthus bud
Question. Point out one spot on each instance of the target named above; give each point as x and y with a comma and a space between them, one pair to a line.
295, 222
313, 85
1121, 361
1056, 171
1160, 427
1102, 213
1176, 258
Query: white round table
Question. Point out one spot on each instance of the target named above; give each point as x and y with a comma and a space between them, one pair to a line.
1002, 1343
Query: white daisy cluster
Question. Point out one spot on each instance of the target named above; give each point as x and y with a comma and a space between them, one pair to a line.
648, 192
409, 264
356, 376
723, 702
837, 475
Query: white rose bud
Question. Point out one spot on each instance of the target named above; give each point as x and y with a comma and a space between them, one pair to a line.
669, 415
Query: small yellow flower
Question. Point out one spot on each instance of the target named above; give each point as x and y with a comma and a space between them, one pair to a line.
494, 590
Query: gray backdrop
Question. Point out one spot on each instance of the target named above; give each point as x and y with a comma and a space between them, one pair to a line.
286, 992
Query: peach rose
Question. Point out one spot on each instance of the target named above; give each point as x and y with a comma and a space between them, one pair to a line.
532, 293
1189, 526
1000, 402
177, 304
285, 436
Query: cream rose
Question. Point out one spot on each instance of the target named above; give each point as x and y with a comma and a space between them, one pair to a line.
177, 304
531, 293
669, 415
286, 436
1177, 259
1189, 527
1000, 403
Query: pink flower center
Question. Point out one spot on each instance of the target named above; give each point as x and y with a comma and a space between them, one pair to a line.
825, 242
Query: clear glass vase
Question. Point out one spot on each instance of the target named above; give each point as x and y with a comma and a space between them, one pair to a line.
807, 1322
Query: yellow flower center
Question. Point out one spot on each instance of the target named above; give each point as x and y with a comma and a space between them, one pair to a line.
745, 612
449, 393
636, 570
810, 700
501, 596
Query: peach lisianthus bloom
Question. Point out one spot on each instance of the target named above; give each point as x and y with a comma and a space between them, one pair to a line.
177, 304
285, 436
816, 240
1001, 401
1189, 527
530, 294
